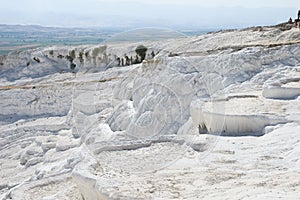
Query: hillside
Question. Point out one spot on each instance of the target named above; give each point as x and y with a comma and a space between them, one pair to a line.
215, 116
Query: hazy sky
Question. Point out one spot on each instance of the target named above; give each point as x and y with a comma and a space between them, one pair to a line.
139, 13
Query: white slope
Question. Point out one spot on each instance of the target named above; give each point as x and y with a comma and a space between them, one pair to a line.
76, 125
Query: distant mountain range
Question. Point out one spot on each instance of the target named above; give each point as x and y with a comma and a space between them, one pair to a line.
38, 28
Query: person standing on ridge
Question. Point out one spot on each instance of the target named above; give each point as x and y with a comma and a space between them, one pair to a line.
298, 14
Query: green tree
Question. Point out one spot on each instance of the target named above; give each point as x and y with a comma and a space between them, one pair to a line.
141, 50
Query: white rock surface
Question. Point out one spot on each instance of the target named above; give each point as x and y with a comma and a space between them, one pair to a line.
155, 130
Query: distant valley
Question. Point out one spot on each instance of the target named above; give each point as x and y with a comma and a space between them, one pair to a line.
20, 37
23, 37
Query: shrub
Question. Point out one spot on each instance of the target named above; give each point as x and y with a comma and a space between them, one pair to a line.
152, 54
127, 60
72, 54
87, 54
72, 66
51, 52
136, 60
81, 57
69, 58
119, 61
